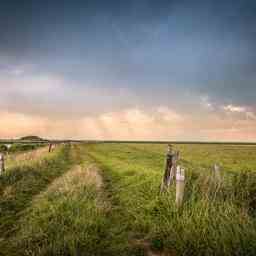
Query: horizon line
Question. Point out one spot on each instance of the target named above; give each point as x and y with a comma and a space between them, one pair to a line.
128, 141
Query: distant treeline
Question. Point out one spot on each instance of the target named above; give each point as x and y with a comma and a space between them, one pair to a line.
18, 147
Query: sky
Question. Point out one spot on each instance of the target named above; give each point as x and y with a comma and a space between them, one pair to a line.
128, 70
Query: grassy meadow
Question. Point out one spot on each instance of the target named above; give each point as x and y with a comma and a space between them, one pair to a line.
103, 199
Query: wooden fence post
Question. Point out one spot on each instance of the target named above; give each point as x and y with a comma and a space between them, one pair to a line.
170, 168
2, 167
50, 147
180, 185
175, 158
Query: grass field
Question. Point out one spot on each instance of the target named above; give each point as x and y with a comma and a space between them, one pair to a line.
103, 199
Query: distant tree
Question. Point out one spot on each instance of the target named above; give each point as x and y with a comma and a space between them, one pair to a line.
32, 137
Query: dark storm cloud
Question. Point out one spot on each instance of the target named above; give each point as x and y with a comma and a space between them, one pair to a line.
201, 44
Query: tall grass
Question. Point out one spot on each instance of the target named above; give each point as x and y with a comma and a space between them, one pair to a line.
216, 219
75, 215
29, 157
20, 184
103, 199
70, 217
66, 219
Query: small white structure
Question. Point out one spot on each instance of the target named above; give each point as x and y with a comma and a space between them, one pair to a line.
180, 185
217, 174
8, 146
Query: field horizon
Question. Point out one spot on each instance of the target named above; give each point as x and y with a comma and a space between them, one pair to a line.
27, 139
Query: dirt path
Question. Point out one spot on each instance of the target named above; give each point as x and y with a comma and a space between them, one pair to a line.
75, 196
18, 188
127, 240
120, 239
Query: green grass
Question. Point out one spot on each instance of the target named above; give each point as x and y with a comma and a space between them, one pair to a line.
73, 216
213, 221
66, 219
103, 199
20, 184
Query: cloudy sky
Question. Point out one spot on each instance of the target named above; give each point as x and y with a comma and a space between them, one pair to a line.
142, 70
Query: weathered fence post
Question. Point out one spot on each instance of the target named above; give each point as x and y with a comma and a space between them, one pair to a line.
50, 147
2, 167
175, 158
180, 185
170, 168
